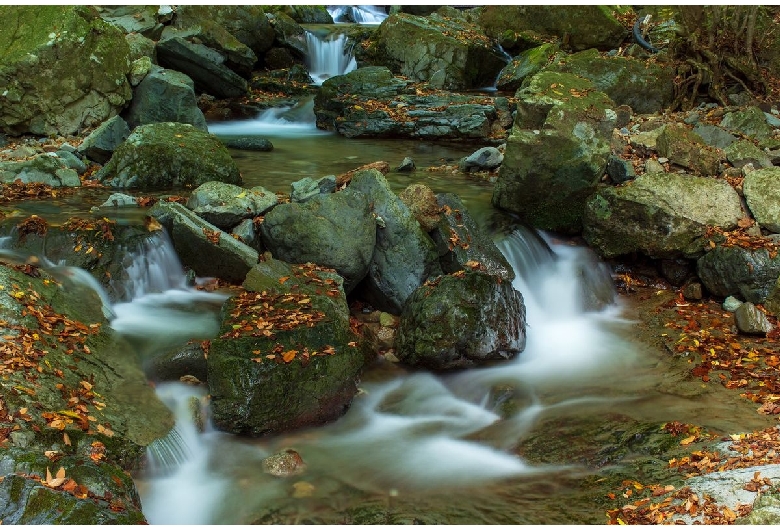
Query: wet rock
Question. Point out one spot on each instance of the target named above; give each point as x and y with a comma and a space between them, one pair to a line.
308, 188
457, 321
43, 168
731, 304
751, 122
247, 23
336, 230
119, 200
484, 159
421, 201
714, 136
692, 291
167, 155
654, 166
165, 96
749, 273
677, 271
247, 233
288, 34
407, 165
172, 365
751, 320
526, 64
687, 149
620, 170
103, 141
249, 143
288, 463
742, 152
143, 20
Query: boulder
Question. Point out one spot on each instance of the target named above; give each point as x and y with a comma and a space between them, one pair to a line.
714, 136
225, 205
661, 215
285, 357
165, 96
404, 255
443, 52
743, 152
457, 321
63, 70
586, 26
526, 64
177, 362
249, 143
748, 273
166, 155
557, 151
236, 55
336, 230
289, 35
307, 188
204, 65
751, 321
247, 233
686, 148
484, 159
247, 23
103, 141
762, 194
421, 201
751, 122
44, 169
141, 20
620, 170
645, 86
203, 247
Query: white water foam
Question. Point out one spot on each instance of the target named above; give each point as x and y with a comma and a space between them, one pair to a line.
280, 121
328, 56
367, 15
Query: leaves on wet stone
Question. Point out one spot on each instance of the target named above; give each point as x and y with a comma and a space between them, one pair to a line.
103, 227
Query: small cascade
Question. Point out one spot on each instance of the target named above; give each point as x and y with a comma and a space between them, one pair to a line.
294, 121
153, 268
328, 56
357, 14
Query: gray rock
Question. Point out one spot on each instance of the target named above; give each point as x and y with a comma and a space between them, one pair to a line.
119, 200
751, 122
731, 304
714, 136
654, 166
620, 170
751, 321
246, 232
249, 143
43, 168
308, 188
526, 64
103, 141
484, 159
742, 152
749, 273
236, 55
165, 96
762, 193
688, 150
247, 23
225, 205
407, 165
71, 161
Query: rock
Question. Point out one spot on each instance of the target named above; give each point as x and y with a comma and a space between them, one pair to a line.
336, 230
203, 247
312, 376
526, 64
762, 193
587, 26
177, 362
457, 321
203, 65
692, 291
141, 47
63, 70
428, 49
225, 205
287, 463
556, 153
661, 215
246, 232
731, 304
308, 14
714, 136
142, 20
167, 155
71, 161
751, 321
647, 139
249, 143
751, 122
742, 152
407, 165
645, 86
289, 34
687, 149
620, 170
422, 202
404, 255
766, 510
463, 245
677, 271
165, 96
247, 23
118, 200
308, 188
44, 169
484, 159
139, 69
749, 273
101, 143
772, 303
654, 166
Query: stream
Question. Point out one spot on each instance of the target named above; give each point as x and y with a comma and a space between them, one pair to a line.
516, 442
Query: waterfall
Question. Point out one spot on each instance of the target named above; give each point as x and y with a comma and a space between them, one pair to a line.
295, 121
329, 56
357, 14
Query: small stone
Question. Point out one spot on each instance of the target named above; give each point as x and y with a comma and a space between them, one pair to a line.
387, 320
285, 464
731, 304
407, 165
692, 291
652, 166
750, 320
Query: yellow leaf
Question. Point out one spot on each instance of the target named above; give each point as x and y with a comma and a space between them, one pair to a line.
688, 440
66, 438
289, 355
241, 195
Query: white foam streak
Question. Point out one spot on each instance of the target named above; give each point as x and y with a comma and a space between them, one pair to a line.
280, 121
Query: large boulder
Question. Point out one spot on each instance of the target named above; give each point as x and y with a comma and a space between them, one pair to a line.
527, 63
687, 149
63, 69
661, 215
586, 26
645, 86
168, 154
404, 255
751, 122
747, 273
165, 95
286, 357
336, 230
557, 151
459, 320
203, 247
762, 193
247, 23
236, 55
443, 52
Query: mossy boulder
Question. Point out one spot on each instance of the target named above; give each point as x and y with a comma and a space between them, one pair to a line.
225, 205
64, 69
167, 155
527, 63
460, 320
50, 170
687, 149
165, 96
751, 122
247, 23
443, 52
645, 86
285, 358
661, 215
582, 27
557, 151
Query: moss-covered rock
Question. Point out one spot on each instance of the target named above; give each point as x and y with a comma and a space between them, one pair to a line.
166, 155
762, 193
661, 215
64, 69
44, 169
247, 23
687, 149
225, 205
528, 63
285, 357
